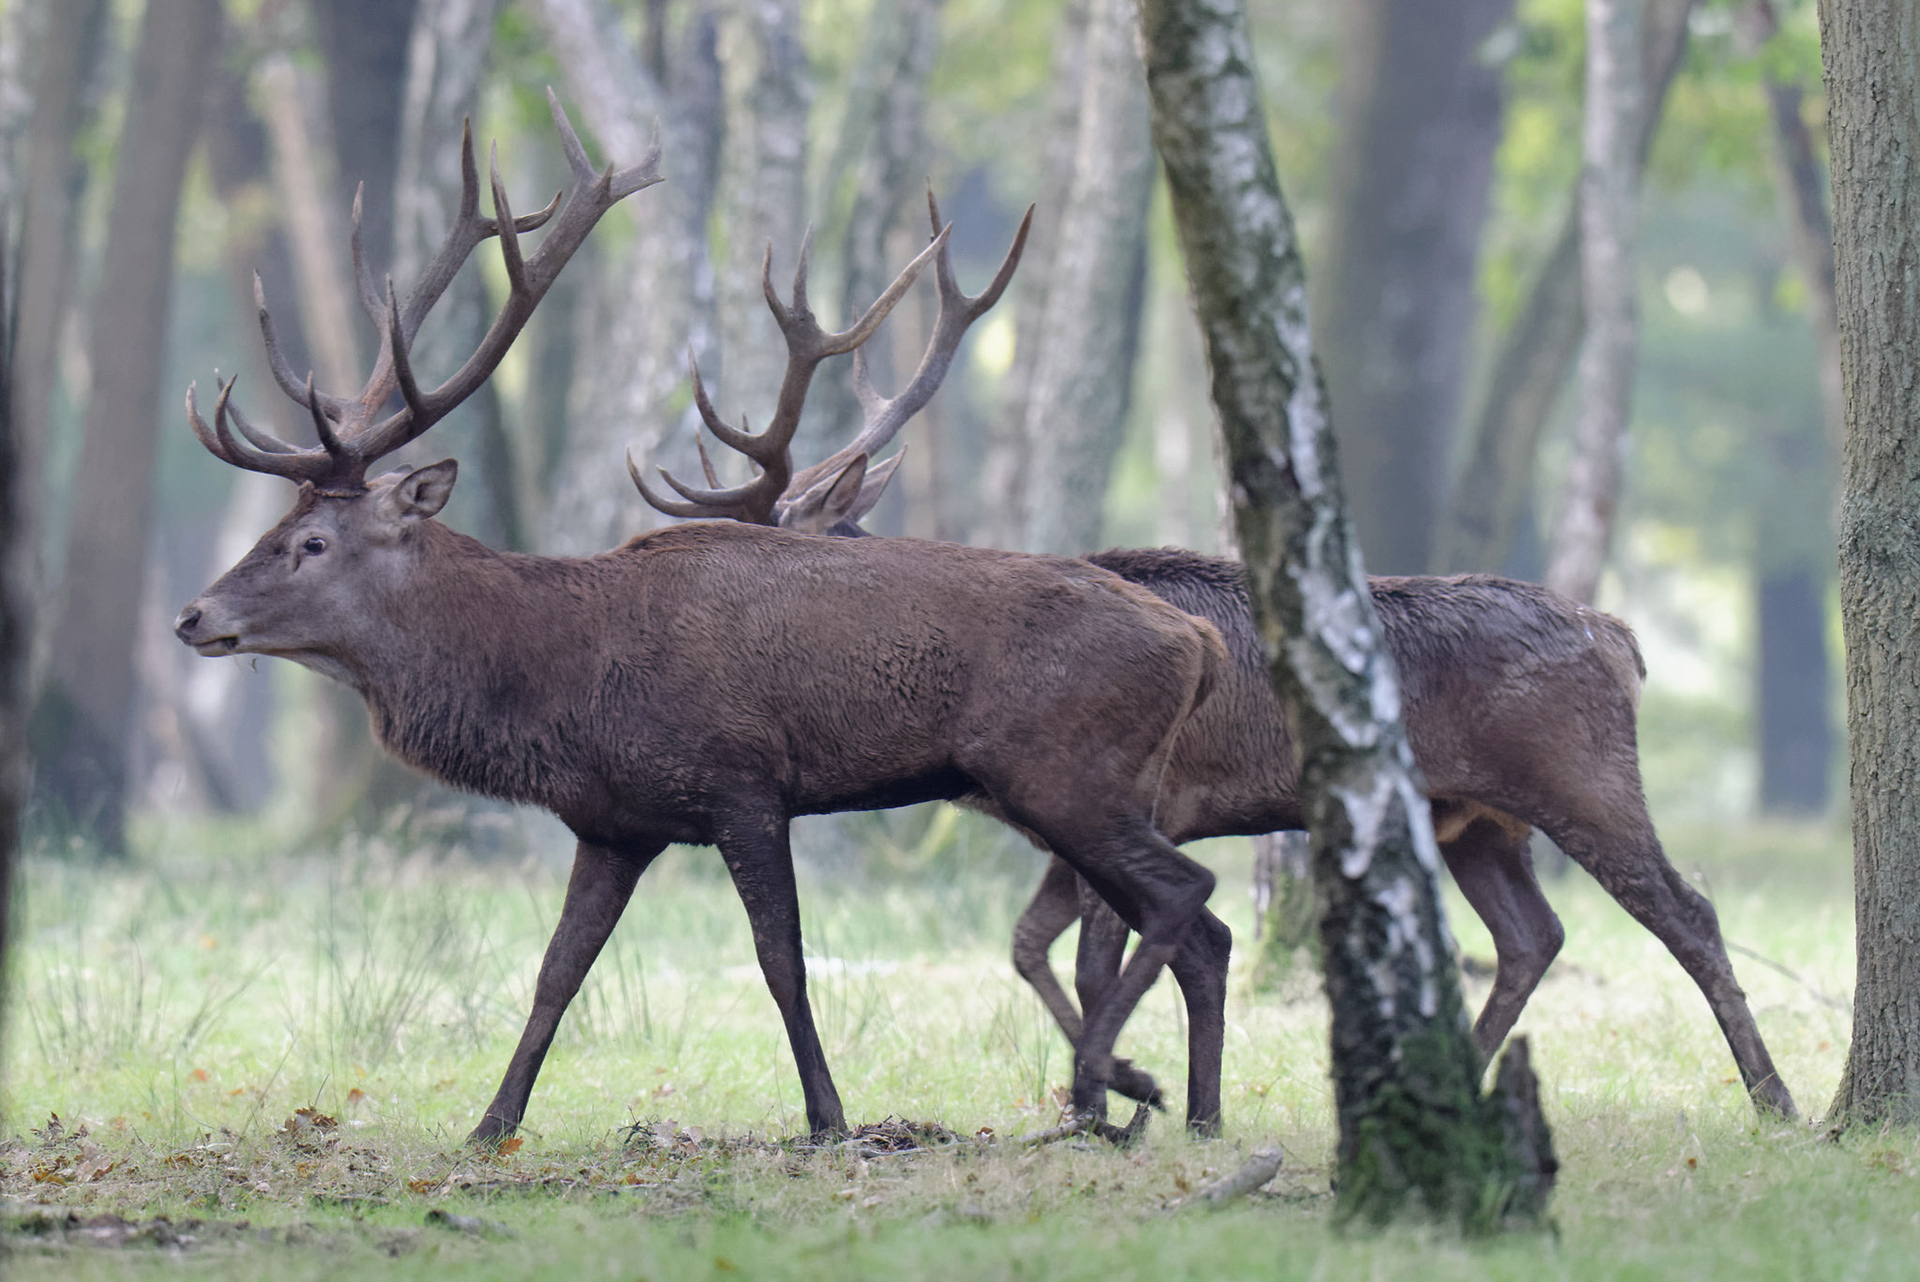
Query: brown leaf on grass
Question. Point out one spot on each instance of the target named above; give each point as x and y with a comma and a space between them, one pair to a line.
92, 1165
51, 1133
425, 1184
509, 1147
355, 1095
198, 1074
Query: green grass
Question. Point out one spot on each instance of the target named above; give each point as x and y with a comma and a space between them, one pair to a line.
184, 1007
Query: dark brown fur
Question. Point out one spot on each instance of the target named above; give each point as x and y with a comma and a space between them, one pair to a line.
707, 682
1520, 706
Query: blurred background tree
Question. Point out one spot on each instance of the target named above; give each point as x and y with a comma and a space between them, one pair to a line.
1432, 151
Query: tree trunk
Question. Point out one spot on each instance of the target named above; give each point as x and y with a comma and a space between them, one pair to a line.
365, 47
446, 62
1415, 1133
16, 620
868, 188
55, 179
1872, 56
1420, 118
83, 715
653, 302
1494, 488
1003, 474
23, 33
1795, 725
1076, 406
1609, 217
761, 197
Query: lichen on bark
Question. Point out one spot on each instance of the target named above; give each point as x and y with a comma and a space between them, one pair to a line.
1416, 1134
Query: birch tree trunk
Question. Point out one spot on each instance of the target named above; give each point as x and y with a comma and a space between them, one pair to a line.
1530, 365
82, 718
1415, 1133
446, 62
1089, 332
1872, 57
1609, 211
1421, 116
653, 302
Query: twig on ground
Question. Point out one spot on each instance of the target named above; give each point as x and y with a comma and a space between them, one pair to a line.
1257, 1170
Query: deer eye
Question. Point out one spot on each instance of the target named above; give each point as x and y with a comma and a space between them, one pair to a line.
314, 546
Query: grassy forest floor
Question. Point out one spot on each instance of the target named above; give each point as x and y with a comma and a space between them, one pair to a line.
265, 1065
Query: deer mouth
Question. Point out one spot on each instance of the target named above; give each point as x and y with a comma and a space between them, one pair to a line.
216, 647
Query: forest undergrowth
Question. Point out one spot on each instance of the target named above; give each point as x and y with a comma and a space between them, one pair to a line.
220, 1062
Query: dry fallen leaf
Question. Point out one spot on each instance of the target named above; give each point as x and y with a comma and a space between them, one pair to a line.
509, 1147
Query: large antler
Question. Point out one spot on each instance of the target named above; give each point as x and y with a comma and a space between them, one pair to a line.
354, 431
882, 417
807, 346
777, 492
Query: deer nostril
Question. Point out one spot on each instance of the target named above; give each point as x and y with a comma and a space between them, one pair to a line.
185, 623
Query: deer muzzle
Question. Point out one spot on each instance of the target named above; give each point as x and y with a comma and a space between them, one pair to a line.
191, 627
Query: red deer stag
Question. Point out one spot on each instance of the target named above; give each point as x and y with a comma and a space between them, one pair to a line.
705, 683
1521, 708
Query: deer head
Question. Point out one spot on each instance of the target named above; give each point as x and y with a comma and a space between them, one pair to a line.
303, 590
840, 489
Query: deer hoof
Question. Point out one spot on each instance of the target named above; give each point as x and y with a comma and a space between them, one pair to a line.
1130, 1134
1136, 1084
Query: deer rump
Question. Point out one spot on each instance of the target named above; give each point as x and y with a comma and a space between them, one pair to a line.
1520, 707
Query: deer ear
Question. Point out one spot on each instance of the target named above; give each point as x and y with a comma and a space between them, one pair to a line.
419, 494
821, 508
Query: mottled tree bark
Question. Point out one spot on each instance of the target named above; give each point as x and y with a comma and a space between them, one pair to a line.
1872, 53
1420, 117
652, 302
82, 716
1530, 365
446, 62
1415, 1133
1089, 332
1609, 281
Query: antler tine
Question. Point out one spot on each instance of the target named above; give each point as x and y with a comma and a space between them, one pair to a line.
363, 281
883, 417
322, 428
529, 275
283, 374
261, 439
300, 465
689, 511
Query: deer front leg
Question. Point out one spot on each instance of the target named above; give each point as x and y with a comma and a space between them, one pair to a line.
758, 857
597, 892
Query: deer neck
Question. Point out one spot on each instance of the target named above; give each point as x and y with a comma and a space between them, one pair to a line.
479, 655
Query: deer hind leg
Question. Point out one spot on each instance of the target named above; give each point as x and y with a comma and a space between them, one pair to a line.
1158, 891
1200, 968
1625, 857
1096, 964
1486, 851
597, 892
1055, 906
760, 861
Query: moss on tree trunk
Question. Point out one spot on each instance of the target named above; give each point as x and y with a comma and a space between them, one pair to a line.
1415, 1133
